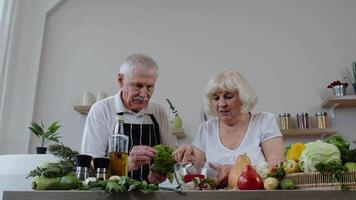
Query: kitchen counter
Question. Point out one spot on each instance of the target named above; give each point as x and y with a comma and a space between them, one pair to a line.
206, 195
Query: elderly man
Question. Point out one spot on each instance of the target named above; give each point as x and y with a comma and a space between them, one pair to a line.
146, 124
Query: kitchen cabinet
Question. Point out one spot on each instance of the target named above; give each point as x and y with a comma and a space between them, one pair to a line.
309, 132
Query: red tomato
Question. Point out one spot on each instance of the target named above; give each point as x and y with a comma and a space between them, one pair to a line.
190, 177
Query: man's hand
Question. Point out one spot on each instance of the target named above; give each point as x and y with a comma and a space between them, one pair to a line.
155, 178
140, 155
184, 154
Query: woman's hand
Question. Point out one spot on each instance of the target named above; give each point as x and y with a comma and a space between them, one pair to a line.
223, 173
184, 154
156, 178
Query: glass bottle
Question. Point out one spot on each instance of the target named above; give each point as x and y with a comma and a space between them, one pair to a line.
118, 149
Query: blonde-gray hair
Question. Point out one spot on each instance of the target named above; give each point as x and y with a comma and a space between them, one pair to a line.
234, 82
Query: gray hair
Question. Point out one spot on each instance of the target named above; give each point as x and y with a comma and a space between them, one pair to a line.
137, 59
234, 82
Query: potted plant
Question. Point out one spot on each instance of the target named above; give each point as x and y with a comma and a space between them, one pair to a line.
40, 132
339, 88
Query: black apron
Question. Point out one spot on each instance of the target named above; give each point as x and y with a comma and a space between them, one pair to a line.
142, 134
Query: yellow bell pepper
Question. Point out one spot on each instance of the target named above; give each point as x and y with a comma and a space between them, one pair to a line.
290, 166
295, 151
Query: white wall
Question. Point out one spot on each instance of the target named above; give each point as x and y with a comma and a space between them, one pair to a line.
289, 50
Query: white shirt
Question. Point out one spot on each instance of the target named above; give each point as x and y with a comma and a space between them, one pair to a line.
100, 123
262, 127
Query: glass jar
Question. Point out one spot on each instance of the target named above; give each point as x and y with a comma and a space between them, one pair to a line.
284, 121
302, 121
321, 120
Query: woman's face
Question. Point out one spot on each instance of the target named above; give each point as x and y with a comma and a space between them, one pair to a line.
226, 105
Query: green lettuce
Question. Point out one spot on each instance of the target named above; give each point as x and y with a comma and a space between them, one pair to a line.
163, 162
318, 152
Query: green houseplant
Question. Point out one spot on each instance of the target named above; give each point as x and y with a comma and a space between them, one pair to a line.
50, 134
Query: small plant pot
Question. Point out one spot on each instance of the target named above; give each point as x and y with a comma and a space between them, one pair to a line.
339, 90
41, 150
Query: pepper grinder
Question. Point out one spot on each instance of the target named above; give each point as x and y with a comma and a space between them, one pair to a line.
83, 165
101, 165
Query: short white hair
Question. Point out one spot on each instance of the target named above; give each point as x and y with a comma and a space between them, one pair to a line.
232, 81
135, 60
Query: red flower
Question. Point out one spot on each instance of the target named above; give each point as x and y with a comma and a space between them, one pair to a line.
337, 82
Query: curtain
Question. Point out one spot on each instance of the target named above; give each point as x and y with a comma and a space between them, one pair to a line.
6, 18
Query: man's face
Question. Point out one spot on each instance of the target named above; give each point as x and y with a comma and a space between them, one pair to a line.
137, 92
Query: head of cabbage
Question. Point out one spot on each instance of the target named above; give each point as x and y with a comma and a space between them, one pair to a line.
318, 152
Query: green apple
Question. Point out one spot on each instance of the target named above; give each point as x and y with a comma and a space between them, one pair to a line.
177, 122
350, 165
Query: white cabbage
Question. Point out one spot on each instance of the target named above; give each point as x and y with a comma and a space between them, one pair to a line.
318, 152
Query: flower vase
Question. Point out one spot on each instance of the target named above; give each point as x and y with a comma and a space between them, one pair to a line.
339, 90
354, 86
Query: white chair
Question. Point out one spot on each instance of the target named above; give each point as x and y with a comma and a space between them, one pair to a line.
15, 168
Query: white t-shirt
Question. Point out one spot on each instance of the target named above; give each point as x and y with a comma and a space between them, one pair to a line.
100, 124
262, 127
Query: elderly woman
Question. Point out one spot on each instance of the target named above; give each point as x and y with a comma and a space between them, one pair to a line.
235, 129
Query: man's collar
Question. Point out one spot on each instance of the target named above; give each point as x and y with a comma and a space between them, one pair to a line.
121, 108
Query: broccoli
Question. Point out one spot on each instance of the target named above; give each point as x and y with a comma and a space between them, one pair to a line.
163, 163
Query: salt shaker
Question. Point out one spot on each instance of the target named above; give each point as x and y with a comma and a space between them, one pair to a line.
101, 166
83, 166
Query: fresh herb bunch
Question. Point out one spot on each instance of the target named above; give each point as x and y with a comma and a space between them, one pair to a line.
163, 162
336, 169
51, 170
121, 184
173, 109
57, 169
62, 151
50, 134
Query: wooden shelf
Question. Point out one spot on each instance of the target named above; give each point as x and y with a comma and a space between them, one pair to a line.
347, 101
82, 109
308, 132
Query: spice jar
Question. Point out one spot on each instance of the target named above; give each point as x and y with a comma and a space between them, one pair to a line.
302, 121
321, 120
284, 121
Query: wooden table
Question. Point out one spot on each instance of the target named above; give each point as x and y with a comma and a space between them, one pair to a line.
206, 195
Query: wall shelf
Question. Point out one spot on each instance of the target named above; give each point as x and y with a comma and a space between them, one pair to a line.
308, 132
84, 110
347, 101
